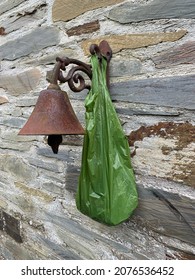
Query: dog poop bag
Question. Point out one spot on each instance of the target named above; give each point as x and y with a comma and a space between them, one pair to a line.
106, 190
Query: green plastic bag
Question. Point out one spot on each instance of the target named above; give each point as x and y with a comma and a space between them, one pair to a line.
107, 190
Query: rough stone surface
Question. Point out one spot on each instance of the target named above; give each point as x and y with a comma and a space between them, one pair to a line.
30, 16
63, 155
134, 41
13, 122
3, 100
170, 142
20, 83
33, 192
83, 29
11, 226
152, 73
156, 9
184, 54
32, 42
51, 58
171, 91
17, 167
2, 31
120, 67
14, 146
65, 10
8, 5
156, 207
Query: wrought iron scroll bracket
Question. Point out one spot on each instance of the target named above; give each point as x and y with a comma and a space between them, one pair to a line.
74, 78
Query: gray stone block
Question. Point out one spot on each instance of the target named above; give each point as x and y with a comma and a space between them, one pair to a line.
176, 91
14, 122
33, 42
8, 5
183, 54
62, 154
120, 68
157, 9
167, 213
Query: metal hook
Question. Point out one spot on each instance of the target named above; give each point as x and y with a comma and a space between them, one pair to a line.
103, 50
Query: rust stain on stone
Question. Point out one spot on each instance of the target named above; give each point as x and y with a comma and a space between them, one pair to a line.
183, 133
180, 255
84, 29
186, 175
2, 31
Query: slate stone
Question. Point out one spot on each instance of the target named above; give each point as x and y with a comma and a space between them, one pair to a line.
132, 112
154, 10
73, 140
26, 16
53, 188
72, 177
183, 54
56, 179
15, 122
62, 154
51, 57
24, 203
17, 167
12, 250
167, 213
26, 102
20, 83
12, 227
83, 240
61, 251
36, 247
33, 42
84, 28
12, 136
33, 192
15, 146
1, 220
4, 252
134, 41
69, 9
176, 91
128, 67
165, 150
44, 165
7, 5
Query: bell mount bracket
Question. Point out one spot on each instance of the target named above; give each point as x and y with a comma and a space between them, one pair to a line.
74, 76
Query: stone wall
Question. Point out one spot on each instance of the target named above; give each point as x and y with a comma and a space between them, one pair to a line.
152, 77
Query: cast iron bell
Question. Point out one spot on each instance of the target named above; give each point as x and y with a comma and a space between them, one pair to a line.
53, 115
